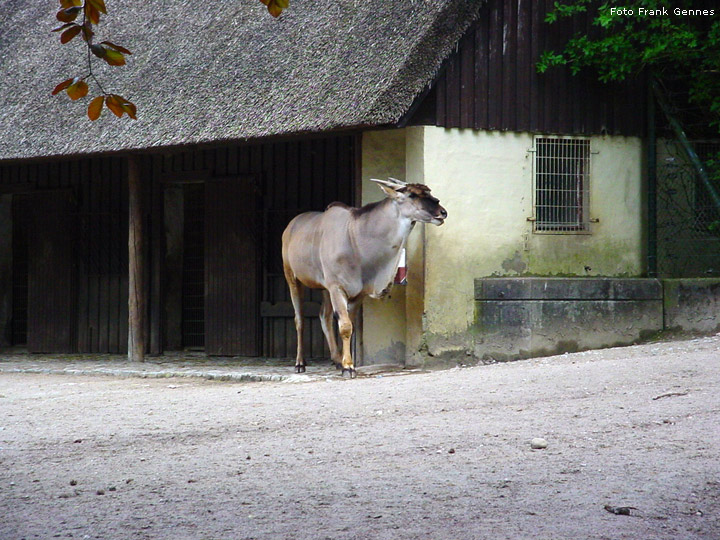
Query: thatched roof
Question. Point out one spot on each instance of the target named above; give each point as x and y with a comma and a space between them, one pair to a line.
205, 71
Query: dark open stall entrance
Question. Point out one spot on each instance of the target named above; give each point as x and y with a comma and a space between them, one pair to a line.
213, 219
224, 212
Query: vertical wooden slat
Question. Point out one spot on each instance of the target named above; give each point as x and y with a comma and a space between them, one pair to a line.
94, 241
441, 99
509, 64
467, 79
495, 67
331, 173
452, 78
157, 256
103, 185
537, 45
124, 285
52, 315
136, 261
481, 71
231, 266
82, 190
563, 83
303, 178
524, 65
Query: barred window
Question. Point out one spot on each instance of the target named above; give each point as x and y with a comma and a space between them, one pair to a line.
562, 185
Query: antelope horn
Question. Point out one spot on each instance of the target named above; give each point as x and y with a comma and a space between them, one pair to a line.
392, 182
399, 182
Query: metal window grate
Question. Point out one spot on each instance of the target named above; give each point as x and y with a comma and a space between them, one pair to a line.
562, 185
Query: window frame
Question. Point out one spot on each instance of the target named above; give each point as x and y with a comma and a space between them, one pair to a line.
547, 152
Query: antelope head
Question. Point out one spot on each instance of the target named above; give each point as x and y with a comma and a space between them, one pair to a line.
414, 201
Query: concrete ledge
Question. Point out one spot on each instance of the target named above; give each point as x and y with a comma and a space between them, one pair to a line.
692, 305
567, 289
527, 317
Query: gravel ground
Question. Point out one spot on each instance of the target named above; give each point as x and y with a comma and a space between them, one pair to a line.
440, 455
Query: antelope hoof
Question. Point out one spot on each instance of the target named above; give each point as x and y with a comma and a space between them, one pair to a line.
338, 365
299, 369
349, 373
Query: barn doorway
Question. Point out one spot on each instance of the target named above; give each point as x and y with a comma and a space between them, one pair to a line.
213, 240
193, 268
222, 288
18, 318
44, 267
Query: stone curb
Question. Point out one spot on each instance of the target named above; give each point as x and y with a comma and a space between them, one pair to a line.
225, 373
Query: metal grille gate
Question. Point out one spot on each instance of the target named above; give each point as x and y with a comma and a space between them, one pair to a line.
688, 223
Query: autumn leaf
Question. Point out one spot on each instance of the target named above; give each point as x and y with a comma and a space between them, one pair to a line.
77, 89
62, 86
98, 50
69, 14
119, 106
95, 108
92, 13
113, 103
116, 47
63, 27
276, 7
70, 33
70, 3
98, 5
114, 58
130, 109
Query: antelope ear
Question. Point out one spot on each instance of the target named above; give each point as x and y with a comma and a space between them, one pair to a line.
397, 194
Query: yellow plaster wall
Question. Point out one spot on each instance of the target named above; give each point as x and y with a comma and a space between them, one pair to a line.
383, 155
484, 180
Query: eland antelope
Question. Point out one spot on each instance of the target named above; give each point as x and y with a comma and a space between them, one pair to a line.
351, 253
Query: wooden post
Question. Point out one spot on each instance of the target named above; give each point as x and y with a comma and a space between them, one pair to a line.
136, 270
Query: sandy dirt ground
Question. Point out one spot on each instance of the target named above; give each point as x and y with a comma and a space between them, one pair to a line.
438, 455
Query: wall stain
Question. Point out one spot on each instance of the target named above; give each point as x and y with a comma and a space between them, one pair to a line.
515, 264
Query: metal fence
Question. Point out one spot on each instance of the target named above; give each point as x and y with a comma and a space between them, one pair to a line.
688, 223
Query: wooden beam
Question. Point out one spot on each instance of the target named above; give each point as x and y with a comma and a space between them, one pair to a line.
137, 291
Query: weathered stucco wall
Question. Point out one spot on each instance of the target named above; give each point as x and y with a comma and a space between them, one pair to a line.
485, 181
692, 305
383, 155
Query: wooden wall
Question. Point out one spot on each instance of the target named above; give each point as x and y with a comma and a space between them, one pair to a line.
491, 81
77, 299
291, 176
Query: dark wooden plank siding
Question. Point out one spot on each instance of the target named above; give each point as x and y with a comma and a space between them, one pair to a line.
102, 263
94, 310
292, 176
232, 248
491, 81
52, 283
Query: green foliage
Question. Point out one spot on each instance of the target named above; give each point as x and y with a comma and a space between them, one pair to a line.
679, 39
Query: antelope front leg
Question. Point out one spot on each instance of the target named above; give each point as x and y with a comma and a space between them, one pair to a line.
345, 325
296, 294
326, 322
